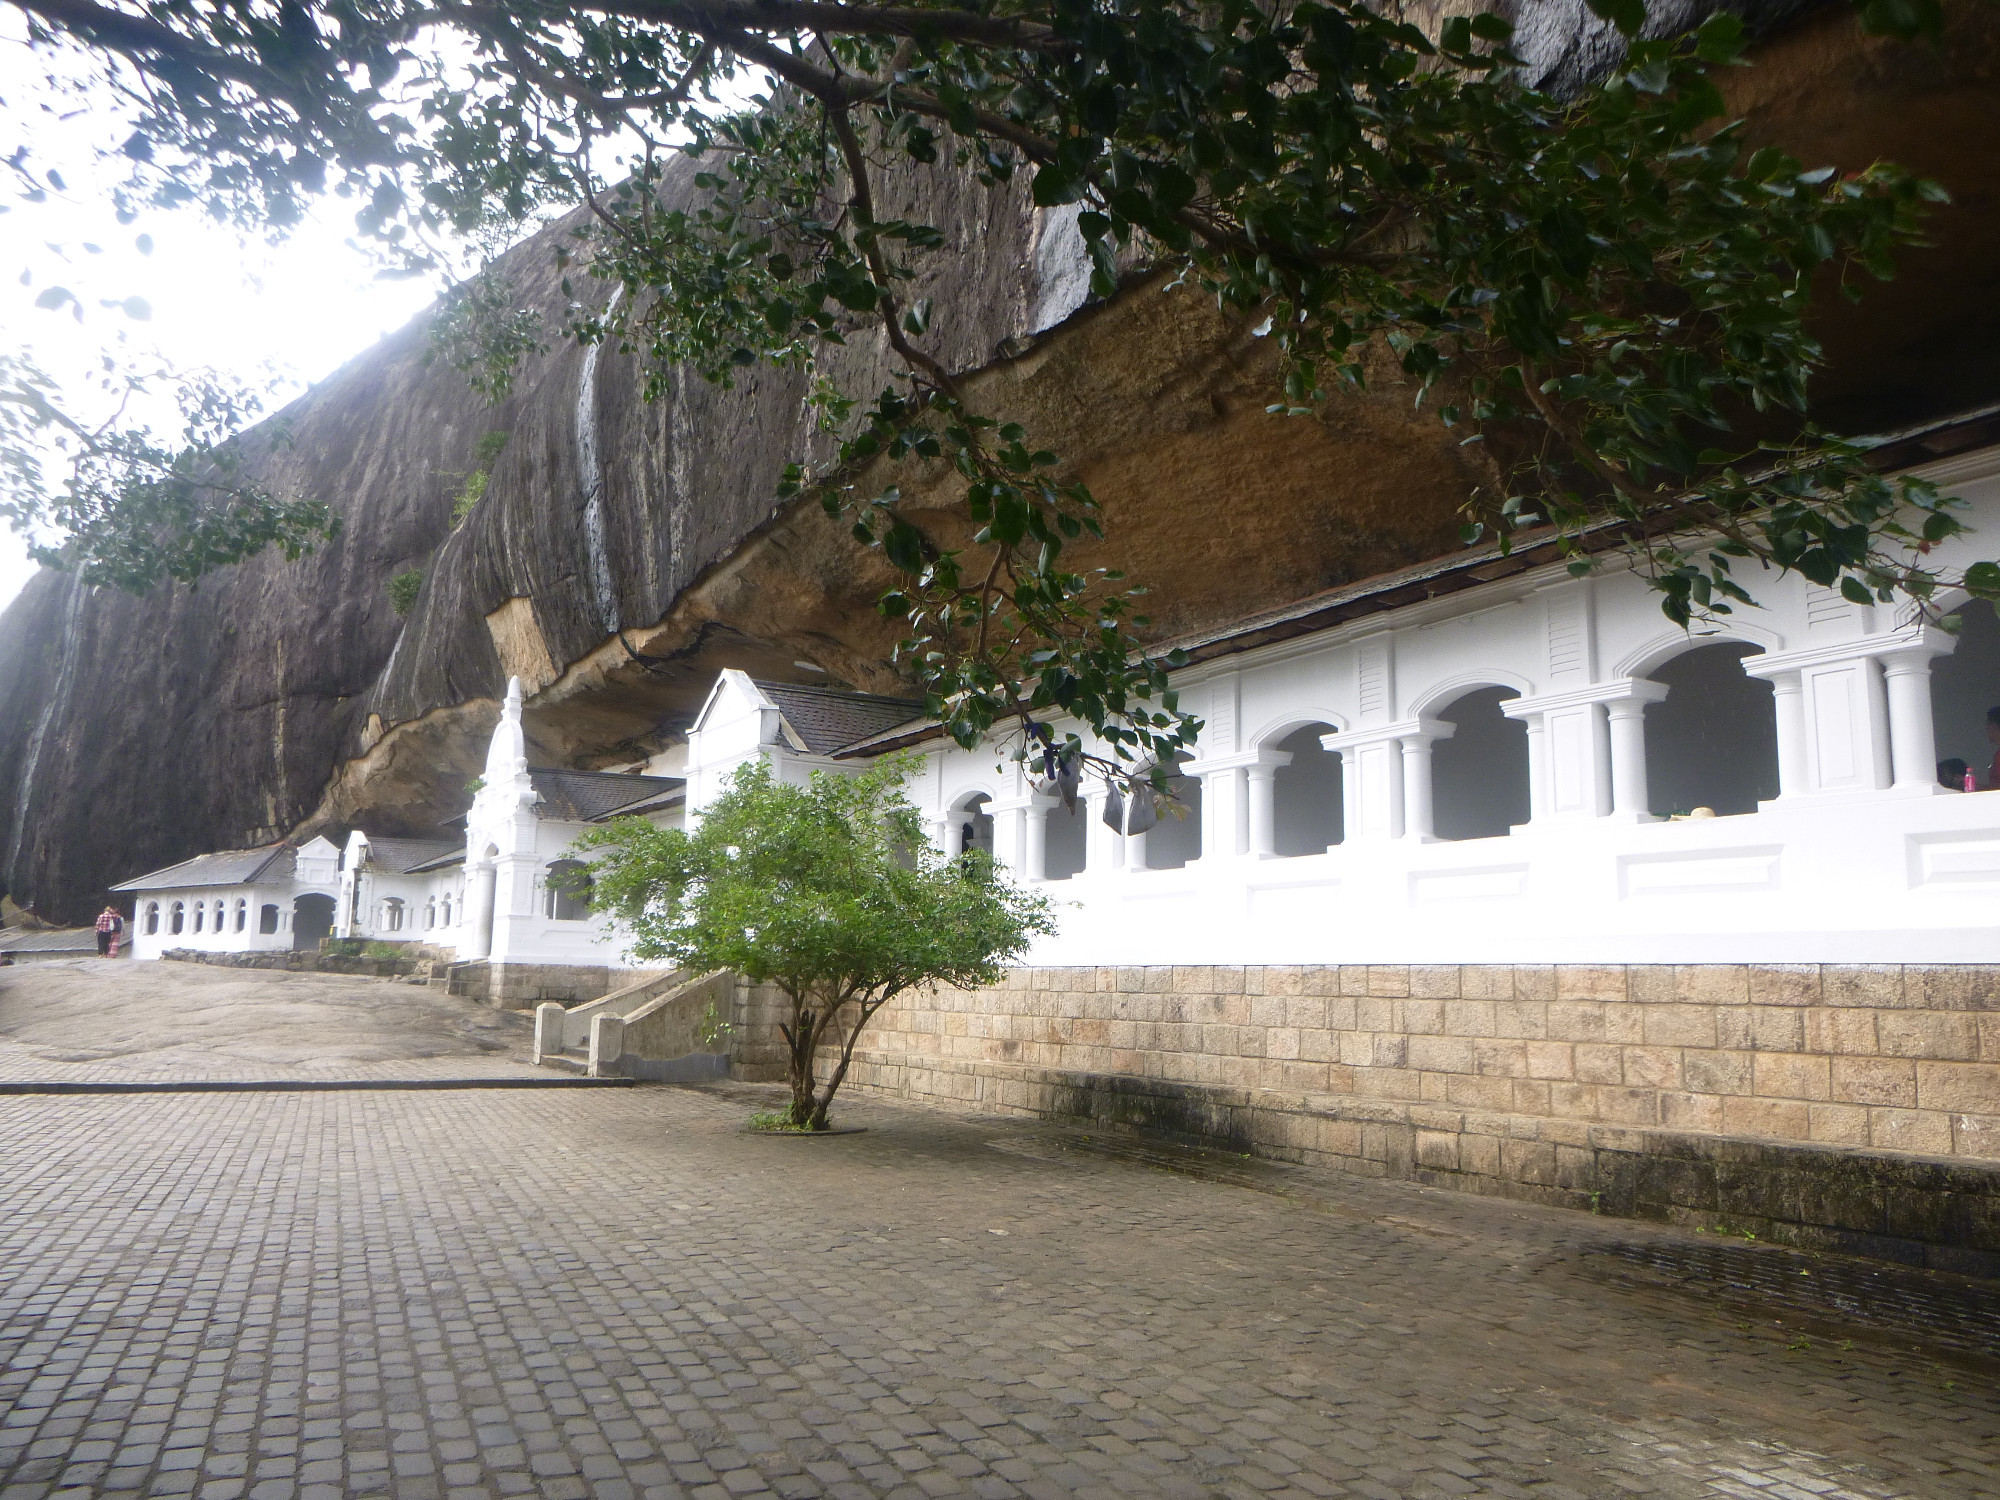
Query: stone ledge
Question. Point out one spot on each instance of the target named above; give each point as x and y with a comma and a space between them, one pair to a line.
1940, 1212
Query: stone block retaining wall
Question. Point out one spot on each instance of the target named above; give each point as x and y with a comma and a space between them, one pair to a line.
1836, 1106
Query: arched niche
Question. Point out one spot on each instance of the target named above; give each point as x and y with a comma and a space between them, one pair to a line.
1307, 794
1713, 740
1965, 684
970, 826
1479, 776
1176, 839
1067, 835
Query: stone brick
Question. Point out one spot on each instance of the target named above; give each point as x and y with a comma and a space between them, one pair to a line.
1779, 1119
1680, 1025
1434, 981
1438, 1150
1486, 982
1792, 1075
1470, 1018
1650, 984
1950, 987
1600, 1064
1531, 1096
1501, 1058
1581, 982
1876, 985
1443, 1054
1629, 1106
1479, 1154
1839, 1124
1535, 982
1976, 1135
1938, 1034
1575, 1020
1551, 1060
1520, 1019
1712, 984
1777, 1028
1784, 984
1924, 1130
1875, 1080
1972, 1088
1691, 1111
1424, 1017
1475, 1092
1653, 1067
1841, 1029
1389, 979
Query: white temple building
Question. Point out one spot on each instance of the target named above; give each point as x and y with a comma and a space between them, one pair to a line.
1530, 768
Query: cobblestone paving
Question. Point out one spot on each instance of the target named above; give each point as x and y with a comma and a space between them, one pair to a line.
485, 1293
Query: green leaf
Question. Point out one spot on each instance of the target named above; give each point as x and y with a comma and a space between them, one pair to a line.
1629, 16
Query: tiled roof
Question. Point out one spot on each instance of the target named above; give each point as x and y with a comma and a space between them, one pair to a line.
405, 856
825, 719
229, 867
587, 796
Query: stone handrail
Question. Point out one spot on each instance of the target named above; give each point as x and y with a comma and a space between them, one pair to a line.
662, 1039
560, 1030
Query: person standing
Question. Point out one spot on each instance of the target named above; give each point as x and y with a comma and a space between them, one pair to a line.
109, 926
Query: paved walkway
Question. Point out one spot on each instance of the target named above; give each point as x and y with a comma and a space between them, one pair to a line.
310, 1296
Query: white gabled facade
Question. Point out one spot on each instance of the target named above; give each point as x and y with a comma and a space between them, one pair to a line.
239, 901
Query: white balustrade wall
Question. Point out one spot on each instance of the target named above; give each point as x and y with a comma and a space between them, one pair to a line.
1859, 857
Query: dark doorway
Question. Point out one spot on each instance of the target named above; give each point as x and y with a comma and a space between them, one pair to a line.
312, 920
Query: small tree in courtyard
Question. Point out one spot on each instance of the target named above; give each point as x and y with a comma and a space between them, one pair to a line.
829, 891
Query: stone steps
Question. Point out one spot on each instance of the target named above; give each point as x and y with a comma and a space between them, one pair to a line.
570, 1060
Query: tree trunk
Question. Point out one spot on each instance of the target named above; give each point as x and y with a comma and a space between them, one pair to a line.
804, 1044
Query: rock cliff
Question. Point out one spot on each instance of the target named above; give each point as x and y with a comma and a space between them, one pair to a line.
136, 731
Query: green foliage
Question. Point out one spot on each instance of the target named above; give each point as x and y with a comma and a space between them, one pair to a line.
1614, 286
474, 489
404, 588
128, 507
828, 891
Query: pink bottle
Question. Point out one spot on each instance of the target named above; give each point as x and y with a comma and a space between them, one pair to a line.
1971, 781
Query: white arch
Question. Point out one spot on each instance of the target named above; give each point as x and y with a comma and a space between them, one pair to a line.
1294, 720
1448, 692
1664, 647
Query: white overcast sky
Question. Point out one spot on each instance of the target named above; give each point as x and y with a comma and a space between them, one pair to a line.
298, 310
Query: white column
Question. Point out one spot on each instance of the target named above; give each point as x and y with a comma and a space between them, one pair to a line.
1035, 840
479, 915
1790, 708
1263, 821
1538, 768
1417, 788
1912, 738
1629, 794
941, 832
1102, 851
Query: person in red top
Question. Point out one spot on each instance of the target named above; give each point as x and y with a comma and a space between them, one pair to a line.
109, 926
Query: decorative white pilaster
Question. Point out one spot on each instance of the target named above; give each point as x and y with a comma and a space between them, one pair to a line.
1837, 729
1417, 790
1587, 749
1906, 675
1238, 803
1021, 833
1373, 778
1103, 850
478, 925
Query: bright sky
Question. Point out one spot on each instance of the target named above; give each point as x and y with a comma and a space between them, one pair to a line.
298, 311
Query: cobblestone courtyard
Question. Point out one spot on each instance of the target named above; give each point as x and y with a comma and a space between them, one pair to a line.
612, 1293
